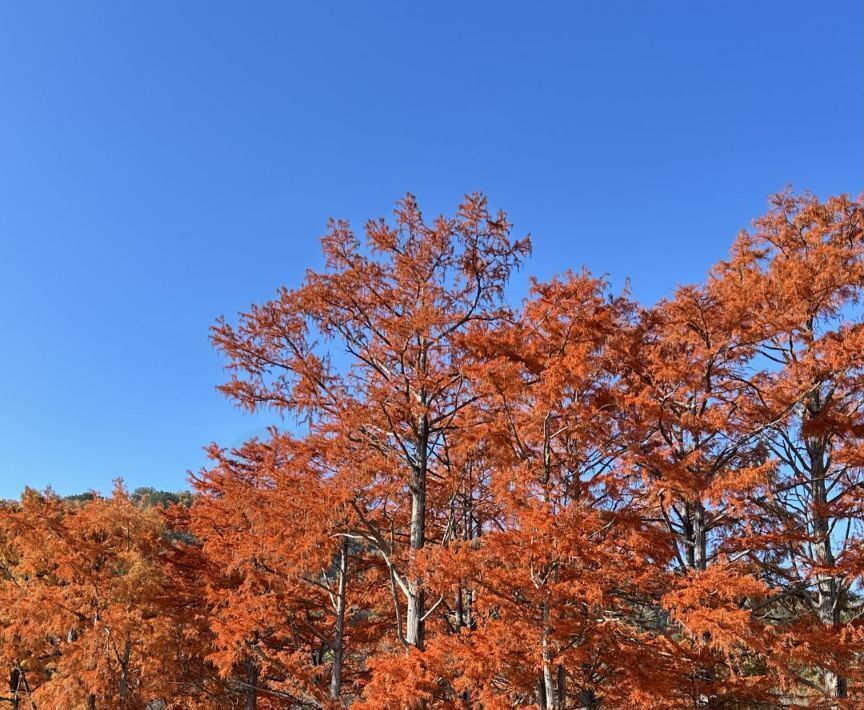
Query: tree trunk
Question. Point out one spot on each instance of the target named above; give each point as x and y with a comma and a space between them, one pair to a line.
700, 537
549, 686
416, 602
414, 617
339, 633
14, 687
464, 595
251, 694
827, 584
562, 687
124, 676
541, 691
817, 448
695, 535
697, 560
548, 682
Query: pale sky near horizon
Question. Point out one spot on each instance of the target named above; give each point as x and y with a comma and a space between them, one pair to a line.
163, 163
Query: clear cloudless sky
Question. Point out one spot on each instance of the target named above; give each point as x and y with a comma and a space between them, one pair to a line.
162, 163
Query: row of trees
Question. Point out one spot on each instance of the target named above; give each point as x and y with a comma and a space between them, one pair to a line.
579, 503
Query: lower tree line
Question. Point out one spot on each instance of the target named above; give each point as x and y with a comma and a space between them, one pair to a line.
577, 502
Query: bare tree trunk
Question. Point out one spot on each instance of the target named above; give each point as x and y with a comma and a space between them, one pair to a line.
696, 539
827, 584
695, 535
549, 692
416, 603
548, 682
251, 694
124, 676
541, 691
414, 617
14, 687
339, 632
687, 535
817, 448
562, 687
464, 597
700, 537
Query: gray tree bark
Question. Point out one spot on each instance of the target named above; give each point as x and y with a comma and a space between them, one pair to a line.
828, 587
339, 632
124, 676
416, 602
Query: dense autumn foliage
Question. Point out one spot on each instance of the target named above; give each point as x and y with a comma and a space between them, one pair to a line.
580, 502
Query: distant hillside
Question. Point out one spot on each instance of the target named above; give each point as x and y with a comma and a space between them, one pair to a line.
146, 497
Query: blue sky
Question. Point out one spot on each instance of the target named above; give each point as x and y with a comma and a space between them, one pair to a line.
163, 163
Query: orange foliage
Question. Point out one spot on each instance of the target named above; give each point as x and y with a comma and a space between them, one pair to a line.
581, 502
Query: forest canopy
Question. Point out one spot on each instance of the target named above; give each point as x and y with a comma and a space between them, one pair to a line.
577, 501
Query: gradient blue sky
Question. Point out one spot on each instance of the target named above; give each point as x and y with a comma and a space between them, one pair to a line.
162, 163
